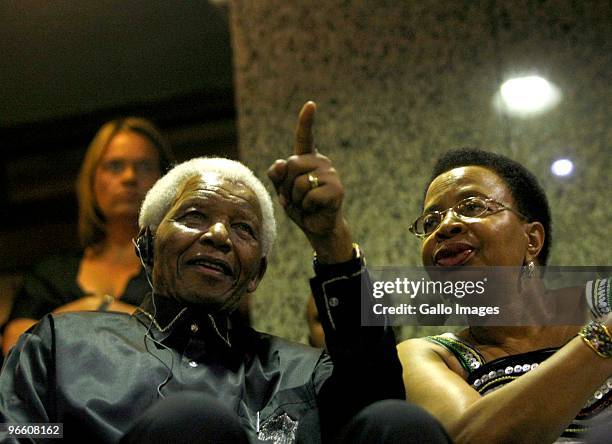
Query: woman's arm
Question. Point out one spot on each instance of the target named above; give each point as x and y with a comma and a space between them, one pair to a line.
13, 330
536, 407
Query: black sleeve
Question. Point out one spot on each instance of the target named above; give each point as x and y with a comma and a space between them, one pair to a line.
366, 366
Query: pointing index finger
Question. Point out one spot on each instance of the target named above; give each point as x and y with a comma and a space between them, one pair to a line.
304, 140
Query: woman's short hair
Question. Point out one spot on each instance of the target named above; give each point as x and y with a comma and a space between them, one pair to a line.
526, 191
163, 194
91, 222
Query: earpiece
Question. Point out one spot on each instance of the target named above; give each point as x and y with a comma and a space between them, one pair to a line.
144, 250
144, 246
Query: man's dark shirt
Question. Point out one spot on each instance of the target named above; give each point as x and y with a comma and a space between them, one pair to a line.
96, 372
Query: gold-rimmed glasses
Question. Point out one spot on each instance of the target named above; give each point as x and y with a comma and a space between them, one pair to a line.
472, 207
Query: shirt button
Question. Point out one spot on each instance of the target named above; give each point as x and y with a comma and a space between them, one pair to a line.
193, 364
194, 328
333, 302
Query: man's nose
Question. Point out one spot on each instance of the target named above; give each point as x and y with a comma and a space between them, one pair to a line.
218, 235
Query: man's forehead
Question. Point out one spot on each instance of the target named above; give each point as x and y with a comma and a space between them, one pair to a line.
205, 182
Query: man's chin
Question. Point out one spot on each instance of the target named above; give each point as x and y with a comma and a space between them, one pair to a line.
213, 303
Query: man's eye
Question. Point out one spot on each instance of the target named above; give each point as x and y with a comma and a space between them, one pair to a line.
243, 227
193, 217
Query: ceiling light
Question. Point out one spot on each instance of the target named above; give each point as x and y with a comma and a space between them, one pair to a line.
527, 96
562, 167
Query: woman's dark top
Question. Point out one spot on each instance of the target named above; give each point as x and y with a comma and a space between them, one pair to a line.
53, 283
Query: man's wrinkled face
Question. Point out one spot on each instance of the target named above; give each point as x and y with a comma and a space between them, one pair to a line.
208, 246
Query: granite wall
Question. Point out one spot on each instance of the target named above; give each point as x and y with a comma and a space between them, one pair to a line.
397, 83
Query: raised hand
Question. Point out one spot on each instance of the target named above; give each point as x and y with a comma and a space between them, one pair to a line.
310, 191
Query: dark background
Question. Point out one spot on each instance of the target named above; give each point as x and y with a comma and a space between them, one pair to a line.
67, 67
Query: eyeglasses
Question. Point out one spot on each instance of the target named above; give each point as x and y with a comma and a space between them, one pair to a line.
472, 207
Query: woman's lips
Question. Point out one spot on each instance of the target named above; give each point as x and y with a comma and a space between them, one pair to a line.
453, 254
455, 259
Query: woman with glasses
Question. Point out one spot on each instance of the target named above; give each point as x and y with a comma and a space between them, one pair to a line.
520, 383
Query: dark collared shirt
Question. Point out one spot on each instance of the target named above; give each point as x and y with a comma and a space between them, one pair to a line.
95, 372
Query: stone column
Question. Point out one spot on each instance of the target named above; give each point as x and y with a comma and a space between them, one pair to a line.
397, 83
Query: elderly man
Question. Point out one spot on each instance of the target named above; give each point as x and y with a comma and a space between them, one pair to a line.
178, 369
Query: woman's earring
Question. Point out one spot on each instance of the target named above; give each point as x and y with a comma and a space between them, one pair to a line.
528, 270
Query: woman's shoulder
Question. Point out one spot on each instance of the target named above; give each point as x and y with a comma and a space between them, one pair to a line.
427, 345
451, 348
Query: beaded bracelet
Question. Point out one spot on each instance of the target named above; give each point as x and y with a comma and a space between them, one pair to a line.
597, 336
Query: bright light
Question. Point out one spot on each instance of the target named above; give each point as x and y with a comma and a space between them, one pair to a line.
562, 167
528, 95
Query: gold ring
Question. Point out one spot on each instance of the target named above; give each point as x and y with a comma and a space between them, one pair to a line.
313, 181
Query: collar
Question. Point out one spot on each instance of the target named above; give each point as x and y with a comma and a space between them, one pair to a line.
168, 319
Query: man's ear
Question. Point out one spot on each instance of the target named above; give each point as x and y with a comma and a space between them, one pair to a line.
535, 237
256, 279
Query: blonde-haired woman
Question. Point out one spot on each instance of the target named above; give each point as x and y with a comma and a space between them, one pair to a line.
124, 159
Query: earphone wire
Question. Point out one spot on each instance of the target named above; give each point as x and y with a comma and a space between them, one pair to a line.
150, 326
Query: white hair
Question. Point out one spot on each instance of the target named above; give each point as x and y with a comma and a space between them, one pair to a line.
161, 197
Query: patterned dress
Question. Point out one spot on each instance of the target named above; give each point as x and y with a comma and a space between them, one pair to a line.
486, 377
